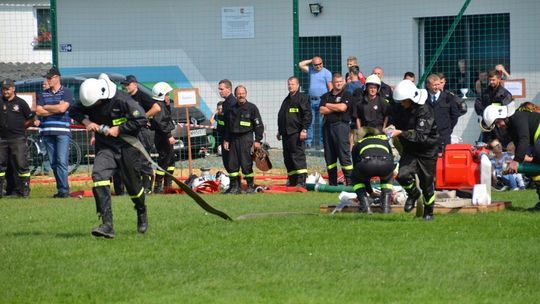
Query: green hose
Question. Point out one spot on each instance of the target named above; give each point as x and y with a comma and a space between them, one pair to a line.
529, 169
328, 188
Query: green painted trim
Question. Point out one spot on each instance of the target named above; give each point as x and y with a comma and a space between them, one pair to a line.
296, 39
54, 33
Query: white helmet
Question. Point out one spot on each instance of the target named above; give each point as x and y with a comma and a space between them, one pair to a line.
494, 112
406, 89
373, 79
161, 89
93, 90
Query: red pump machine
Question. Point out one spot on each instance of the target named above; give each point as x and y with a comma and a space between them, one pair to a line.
462, 166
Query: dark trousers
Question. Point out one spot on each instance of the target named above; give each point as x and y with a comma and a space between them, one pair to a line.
145, 137
372, 166
337, 146
240, 154
165, 151
410, 165
294, 154
16, 150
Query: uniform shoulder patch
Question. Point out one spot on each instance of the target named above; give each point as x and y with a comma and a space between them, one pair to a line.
136, 113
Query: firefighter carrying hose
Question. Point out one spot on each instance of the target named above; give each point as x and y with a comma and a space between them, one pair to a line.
111, 113
372, 156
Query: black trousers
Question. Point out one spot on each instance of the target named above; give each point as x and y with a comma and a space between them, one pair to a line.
372, 166
410, 165
294, 154
16, 150
165, 151
106, 163
240, 155
337, 146
145, 137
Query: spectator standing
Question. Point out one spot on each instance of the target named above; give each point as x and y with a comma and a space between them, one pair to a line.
385, 91
15, 118
53, 110
243, 135
353, 81
504, 73
495, 94
225, 91
410, 76
444, 108
218, 120
482, 83
110, 114
353, 61
414, 124
335, 108
294, 118
320, 82
163, 139
151, 108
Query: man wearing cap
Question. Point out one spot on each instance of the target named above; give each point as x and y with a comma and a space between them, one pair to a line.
151, 108
53, 109
15, 117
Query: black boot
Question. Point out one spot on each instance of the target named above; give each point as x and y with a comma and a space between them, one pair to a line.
167, 183
25, 187
301, 180
106, 228
347, 177
142, 219
234, 185
292, 180
386, 197
332, 176
412, 197
250, 185
158, 184
428, 212
147, 183
364, 205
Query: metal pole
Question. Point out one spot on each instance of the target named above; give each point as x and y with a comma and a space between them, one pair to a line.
54, 33
296, 39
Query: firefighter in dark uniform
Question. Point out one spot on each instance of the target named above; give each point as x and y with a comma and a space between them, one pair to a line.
225, 91
294, 118
111, 114
371, 110
413, 122
163, 139
335, 108
372, 156
15, 117
523, 127
151, 108
495, 94
243, 122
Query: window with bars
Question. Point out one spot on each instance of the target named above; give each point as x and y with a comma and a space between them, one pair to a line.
478, 44
43, 37
327, 47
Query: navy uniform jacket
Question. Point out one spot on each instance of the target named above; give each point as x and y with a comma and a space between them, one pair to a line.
446, 113
294, 114
241, 119
13, 115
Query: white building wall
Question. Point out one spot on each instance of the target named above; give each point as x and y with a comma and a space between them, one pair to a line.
18, 27
187, 34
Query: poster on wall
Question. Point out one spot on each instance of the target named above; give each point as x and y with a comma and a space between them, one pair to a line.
237, 22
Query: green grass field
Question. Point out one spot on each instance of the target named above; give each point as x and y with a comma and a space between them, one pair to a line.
47, 254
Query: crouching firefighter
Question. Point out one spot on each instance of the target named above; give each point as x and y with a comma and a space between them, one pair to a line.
523, 126
372, 156
163, 139
413, 122
111, 114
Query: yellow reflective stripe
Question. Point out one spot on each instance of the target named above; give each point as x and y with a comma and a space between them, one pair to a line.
301, 171
293, 110
430, 201
138, 194
234, 174
383, 137
387, 186
119, 121
331, 166
496, 103
245, 123
249, 175
374, 146
221, 122
358, 186
291, 173
2, 174
537, 133
171, 168
24, 174
349, 167
159, 172
536, 178
409, 186
102, 183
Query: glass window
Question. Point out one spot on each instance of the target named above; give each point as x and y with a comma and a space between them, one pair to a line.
43, 37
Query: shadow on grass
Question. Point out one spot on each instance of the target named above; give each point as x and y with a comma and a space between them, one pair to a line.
521, 209
367, 217
65, 235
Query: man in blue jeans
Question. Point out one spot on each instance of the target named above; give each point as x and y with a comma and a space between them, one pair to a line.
52, 106
320, 82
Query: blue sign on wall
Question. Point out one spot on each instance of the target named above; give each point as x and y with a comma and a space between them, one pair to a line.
66, 47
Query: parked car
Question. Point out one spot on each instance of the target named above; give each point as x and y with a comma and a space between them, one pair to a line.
201, 138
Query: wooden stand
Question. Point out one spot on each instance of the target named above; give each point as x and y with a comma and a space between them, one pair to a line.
493, 207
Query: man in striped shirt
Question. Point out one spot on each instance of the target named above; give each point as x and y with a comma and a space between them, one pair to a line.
53, 107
